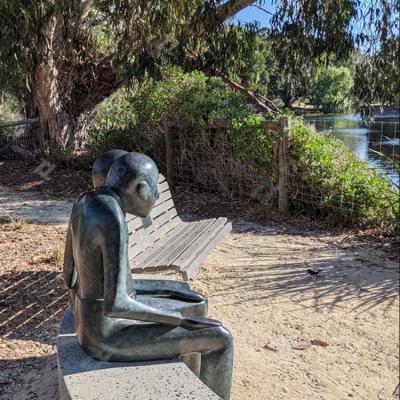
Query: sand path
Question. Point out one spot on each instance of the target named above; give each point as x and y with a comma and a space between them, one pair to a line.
259, 284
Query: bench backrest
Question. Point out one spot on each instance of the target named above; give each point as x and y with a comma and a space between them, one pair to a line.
163, 218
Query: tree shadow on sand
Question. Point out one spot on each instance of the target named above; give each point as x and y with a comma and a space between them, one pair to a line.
29, 378
326, 278
31, 305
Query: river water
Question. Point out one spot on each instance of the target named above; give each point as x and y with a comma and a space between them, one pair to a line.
365, 139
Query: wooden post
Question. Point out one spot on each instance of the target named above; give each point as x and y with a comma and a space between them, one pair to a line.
283, 166
41, 137
169, 156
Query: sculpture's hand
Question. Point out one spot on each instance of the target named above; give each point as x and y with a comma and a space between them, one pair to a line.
199, 323
186, 294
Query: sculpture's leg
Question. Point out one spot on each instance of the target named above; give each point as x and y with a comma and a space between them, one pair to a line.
187, 309
155, 284
193, 361
156, 342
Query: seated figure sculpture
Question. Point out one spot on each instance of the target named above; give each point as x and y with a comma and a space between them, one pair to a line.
113, 321
184, 300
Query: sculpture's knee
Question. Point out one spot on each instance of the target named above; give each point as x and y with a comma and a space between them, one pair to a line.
226, 338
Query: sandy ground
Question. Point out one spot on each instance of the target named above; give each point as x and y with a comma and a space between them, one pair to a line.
331, 335
34, 208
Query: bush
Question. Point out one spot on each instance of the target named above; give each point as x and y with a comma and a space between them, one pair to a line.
333, 183
326, 179
188, 99
330, 89
10, 108
114, 124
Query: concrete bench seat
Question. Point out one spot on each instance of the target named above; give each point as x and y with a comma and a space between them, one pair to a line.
170, 243
84, 378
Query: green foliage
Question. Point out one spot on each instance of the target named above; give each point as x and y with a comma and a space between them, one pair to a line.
330, 89
382, 88
114, 124
336, 185
188, 99
255, 66
10, 108
179, 100
18, 223
94, 44
326, 179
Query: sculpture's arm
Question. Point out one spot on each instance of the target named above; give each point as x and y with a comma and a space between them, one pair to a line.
117, 302
177, 289
69, 270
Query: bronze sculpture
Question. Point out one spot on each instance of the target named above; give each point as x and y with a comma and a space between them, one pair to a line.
117, 318
150, 287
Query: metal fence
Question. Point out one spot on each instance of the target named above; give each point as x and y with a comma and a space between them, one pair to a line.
207, 160
376, 142
19, 137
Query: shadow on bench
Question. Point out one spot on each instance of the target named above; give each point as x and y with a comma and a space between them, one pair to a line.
84, 378
169, 242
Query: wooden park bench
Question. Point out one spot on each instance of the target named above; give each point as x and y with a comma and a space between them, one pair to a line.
167, 242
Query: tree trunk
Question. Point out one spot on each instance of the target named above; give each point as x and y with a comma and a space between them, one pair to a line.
73, 78
65, 122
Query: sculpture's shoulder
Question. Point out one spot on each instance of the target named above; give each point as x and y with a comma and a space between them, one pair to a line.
98, 207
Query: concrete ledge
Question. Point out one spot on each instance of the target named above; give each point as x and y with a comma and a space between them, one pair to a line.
84, 378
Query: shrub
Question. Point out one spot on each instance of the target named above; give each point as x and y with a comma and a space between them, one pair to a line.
330, 89
328, 180
114, 124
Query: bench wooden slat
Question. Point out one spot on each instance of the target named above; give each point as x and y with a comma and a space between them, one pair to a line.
172, 250
163, 249
161, 208
191, 251
162, 187
150, 237
134, 225
162, 219
151, 251
194, 265
164, 196
168, 241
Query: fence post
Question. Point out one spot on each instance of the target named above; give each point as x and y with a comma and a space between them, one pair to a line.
169, 156
41, 137
283, 165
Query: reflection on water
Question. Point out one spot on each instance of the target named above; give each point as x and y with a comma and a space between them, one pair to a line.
365, 139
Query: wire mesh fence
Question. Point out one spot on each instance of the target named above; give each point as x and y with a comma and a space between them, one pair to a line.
19, 138
355, 193
265, 164
376, 142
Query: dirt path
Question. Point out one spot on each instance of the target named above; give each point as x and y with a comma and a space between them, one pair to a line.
34, 207
259, 283
259, 286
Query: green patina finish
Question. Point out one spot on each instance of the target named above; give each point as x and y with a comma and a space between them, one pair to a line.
116, 317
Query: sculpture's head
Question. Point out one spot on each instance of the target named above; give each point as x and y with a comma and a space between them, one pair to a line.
134, 177
103, 164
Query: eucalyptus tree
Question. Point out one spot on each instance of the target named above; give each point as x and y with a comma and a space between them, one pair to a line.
63, 57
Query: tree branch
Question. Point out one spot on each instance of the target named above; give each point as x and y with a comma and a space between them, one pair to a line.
85, 8
262, 9
260, 106
232, 7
